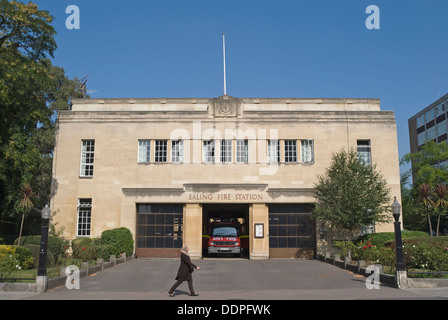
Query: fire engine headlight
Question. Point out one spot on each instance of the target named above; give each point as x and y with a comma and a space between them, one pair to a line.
212, 243
237, 244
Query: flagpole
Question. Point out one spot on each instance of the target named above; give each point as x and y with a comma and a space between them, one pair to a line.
224, 57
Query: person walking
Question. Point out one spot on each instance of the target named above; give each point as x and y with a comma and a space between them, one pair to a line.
184, 273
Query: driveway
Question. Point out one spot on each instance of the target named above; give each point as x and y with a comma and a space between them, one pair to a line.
224, 279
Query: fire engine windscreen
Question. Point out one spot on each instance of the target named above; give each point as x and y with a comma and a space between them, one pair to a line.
225, 232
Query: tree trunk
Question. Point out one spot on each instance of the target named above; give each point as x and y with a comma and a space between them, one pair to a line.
21, 227
429, 221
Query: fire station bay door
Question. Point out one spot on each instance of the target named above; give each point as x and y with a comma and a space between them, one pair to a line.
226, 212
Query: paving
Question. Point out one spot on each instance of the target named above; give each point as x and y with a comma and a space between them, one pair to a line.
229, 279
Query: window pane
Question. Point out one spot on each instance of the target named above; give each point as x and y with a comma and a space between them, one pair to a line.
226, 151
290, 151
144, 151
87, 158
242, 151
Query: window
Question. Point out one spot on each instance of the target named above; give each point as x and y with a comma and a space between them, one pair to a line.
364, 151
144, 151
429, 115
273, 151
441, 128
208, 151
421, 138
290, 151
177, 151
307, 151
242, 147
84, 217
161, 150
159, 225
420, 120
226, 151
87, 153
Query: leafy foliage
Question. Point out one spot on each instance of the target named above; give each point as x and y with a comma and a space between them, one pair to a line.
351, 194
31, 91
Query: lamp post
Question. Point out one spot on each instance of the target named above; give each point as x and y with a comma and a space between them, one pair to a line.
401, 276
41, 279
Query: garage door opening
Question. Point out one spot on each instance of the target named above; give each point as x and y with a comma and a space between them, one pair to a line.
225, 230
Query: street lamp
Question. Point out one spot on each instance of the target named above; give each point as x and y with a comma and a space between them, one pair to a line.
396, 210
42, 270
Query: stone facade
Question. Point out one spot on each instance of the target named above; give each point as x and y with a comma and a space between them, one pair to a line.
112, 155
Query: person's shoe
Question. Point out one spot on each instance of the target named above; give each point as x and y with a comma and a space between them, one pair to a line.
171, 294
194, 294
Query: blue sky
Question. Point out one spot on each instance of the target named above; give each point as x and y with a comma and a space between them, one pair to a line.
284, 48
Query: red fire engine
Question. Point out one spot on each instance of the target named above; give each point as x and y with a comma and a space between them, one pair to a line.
224, 237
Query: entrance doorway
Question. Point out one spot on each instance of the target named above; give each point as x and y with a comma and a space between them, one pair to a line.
216, 214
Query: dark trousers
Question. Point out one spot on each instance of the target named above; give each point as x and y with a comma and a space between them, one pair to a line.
190, 286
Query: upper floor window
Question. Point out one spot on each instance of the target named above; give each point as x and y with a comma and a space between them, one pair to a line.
177, 151
161, 150
242, 151
87, 157
364, 151
307, 151
226, 151
208, 151
273, 151
290, 150
144, 151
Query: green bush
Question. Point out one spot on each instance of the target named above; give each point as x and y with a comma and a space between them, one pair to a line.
22, 257
120, 239
83, 249
88, 249
425, 253
379, 239
57, 246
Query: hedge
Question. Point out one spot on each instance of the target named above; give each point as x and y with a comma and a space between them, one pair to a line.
57, 246
120, 239
23, 256
380, 239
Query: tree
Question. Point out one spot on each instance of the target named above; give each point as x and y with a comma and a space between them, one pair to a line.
429, 172
32, 90
351, 194
427, 164
441, 201
425, 197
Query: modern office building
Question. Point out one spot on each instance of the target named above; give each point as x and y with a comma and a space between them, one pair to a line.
163, 167
429, 124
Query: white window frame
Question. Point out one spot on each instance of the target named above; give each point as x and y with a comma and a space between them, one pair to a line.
364, 151
307, 151
226, 151
273, 151
242, 151
87, 158
208, 151
144, 151
84, 218
290, 151
177, 151
161, 151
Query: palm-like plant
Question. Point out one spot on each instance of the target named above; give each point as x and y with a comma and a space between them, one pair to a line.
425, 196
441, 201
26, 203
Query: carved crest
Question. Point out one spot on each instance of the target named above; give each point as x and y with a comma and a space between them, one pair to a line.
226, 107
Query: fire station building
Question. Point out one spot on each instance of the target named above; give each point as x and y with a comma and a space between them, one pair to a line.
163, 168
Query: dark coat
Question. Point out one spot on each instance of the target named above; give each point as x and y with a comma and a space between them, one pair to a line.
184, 272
